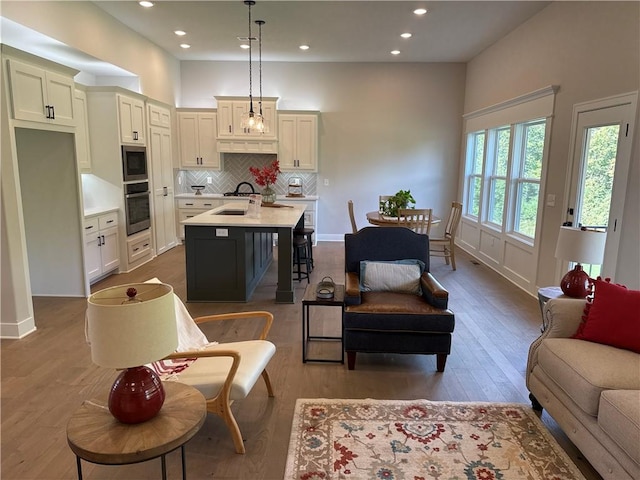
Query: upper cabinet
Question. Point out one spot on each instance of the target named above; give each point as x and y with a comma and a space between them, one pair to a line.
41, 95
197, 136
83, 152
298, 142
131, 113
159, 116
231, 110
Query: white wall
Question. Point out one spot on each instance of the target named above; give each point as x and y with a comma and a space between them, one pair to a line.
49, 177
89, 29
591, 50
383, 127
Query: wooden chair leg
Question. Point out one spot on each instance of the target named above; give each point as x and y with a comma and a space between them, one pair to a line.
452, 252
351, 360
219, 407
441, 360
267, 382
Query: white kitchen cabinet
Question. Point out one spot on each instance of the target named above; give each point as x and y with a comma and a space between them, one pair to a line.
197, 131
101, 245
231, 110
163, 219
41, 95
310, 212
190, 207
131, 116
298, 142
139, 248
159, 116
83, 152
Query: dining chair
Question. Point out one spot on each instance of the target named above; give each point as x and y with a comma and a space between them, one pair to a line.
445, 246
354, 227
417, 219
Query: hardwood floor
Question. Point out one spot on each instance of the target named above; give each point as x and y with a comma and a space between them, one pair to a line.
48, 374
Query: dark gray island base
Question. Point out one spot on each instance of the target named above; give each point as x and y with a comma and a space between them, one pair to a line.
227, 256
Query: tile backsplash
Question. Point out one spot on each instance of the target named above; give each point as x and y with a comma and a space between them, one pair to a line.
235, 170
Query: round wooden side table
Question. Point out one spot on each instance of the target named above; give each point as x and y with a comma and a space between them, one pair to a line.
96, 436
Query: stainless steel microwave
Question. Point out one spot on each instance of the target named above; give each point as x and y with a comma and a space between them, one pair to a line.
134, 163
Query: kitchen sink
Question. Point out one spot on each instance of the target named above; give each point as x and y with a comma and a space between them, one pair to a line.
231, 212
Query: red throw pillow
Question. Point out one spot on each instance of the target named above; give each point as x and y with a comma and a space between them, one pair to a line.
613, 318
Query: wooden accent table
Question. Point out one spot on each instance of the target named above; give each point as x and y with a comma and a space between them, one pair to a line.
311, 298
97, 437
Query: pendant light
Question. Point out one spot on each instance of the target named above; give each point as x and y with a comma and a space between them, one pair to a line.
260, 122
250, 119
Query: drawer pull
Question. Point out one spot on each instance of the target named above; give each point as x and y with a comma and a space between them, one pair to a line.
136, 249
89, 227
110, 221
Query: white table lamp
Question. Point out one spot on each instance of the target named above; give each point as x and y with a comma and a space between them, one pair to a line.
129, 326
580, 246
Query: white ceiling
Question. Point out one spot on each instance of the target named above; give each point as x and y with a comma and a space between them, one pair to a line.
336, 31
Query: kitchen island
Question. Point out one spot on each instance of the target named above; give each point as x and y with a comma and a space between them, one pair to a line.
228, 251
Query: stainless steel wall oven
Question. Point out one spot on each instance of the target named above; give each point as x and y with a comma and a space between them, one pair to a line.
137, 208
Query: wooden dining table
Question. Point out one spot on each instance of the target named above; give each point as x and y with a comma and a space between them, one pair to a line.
376, 218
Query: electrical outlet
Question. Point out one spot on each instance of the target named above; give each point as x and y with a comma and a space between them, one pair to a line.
209, 180
326, 182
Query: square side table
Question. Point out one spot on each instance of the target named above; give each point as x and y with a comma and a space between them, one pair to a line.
310, 299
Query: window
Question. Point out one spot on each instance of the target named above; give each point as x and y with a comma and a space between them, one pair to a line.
475, 161
526, 176
498, 158
511, 176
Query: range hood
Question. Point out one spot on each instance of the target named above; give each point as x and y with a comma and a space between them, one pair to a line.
248, 146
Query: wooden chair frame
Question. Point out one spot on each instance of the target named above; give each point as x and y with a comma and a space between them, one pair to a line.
416, 219
221, 404
352, 217
445, 246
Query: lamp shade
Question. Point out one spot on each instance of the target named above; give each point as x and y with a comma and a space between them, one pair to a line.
581, 246
128, 331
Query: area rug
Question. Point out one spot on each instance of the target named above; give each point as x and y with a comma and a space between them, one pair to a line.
420, 440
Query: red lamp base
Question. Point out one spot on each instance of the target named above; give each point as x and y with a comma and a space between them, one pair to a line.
576, 283
136, 396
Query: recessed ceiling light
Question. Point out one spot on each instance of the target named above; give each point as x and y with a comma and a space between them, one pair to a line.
146, 4
304, 47
244, 46
185, 45
405, 35
420, 11
395, 52
180, 33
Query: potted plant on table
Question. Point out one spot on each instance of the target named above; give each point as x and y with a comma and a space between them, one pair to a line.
402, 199
265, 177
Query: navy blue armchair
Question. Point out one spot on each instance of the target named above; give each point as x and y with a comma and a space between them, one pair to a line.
390, 321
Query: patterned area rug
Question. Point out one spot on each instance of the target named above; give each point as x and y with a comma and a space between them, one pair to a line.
420, 440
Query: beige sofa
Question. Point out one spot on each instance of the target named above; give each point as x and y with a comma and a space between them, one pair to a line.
591, 390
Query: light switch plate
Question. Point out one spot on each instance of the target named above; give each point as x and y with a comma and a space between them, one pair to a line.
551, 200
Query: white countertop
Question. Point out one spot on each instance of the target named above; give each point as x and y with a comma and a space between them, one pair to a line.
92, 212
219, 195
268, 217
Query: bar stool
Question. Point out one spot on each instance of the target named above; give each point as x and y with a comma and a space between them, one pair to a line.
307, 233
300, 255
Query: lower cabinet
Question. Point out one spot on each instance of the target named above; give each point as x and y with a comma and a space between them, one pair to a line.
190, 207
310, 213
101, 245
139, 248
